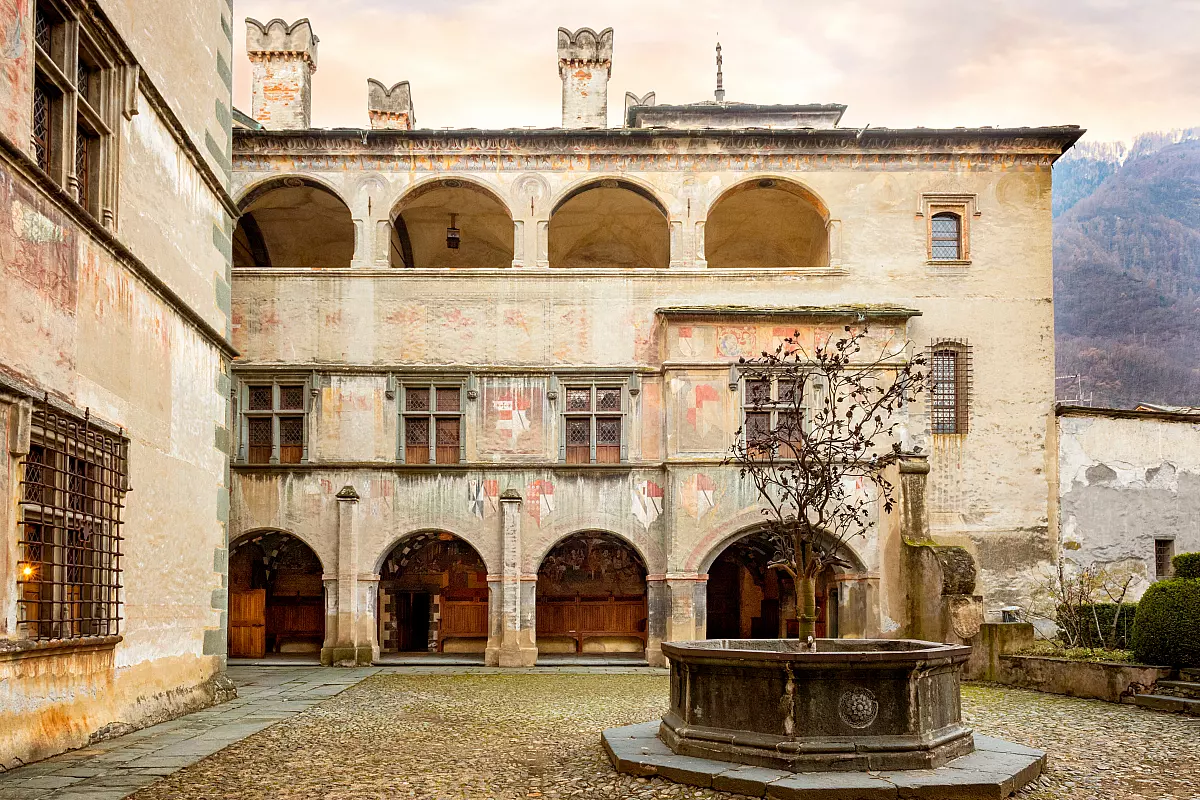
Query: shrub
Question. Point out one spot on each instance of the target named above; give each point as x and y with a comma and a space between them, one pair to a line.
1166, 629
1187, 565
1091, 625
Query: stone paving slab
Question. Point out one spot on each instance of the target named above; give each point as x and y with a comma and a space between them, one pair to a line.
987, 774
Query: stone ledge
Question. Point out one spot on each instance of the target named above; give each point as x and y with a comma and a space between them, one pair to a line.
995, 770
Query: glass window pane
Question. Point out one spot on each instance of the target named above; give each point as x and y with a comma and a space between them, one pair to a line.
579, 399
608, 399
416, 399
447, 399
260, 398
291, 397
944, 391
416, 431
579, 432
608, 430
758, 392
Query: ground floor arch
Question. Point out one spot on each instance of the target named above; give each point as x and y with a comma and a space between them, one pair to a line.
276, 596
591, 596
433, 596
747, 599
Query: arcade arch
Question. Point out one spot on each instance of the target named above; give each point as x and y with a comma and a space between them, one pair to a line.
609, 223
767, 222
433, 596
591, 596
276, 596
293, 222
424, 218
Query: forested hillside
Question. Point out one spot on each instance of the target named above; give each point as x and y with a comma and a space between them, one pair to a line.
1127, 270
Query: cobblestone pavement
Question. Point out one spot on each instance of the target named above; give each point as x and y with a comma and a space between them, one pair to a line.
474, 733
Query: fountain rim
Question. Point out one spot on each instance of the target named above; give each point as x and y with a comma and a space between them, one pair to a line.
920, 651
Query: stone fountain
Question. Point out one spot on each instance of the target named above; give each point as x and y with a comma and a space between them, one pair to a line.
791, 719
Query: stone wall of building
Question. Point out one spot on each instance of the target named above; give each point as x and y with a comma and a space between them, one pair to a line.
521, 333
1129, 479
122, 317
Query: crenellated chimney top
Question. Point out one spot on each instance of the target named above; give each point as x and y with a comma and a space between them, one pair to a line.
390, 109
585, 65
283, 58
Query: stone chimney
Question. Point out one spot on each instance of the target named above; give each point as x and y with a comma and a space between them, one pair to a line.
282, 58
390, 109
585, 64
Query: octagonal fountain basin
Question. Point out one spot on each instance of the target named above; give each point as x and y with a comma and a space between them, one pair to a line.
846, 704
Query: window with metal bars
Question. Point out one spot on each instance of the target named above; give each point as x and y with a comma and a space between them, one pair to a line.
770, 419
73, 485
946, 237
950, 377
431, 424
593, 424
274, 415
73, 111
1164, 551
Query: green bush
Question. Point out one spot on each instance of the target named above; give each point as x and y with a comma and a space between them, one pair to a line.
1187, 565
1166, 629
1079, 624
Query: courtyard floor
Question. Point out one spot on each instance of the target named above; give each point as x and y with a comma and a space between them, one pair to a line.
451, 733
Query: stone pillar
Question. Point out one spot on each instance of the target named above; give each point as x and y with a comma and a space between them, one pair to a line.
282, 60
585, 64
350, 647
511, 641
390, 109
15, 419
682, 606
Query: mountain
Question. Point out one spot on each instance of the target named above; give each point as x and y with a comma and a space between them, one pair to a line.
1127, 270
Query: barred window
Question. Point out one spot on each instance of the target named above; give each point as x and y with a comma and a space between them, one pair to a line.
74, 108
949, 386
431, 421
73, 485
946, 237
1164, 551
593, 424
274, 427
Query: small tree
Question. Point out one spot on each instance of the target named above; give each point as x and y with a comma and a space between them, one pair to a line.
820, 431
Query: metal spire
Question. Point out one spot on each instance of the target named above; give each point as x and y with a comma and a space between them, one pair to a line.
720, 92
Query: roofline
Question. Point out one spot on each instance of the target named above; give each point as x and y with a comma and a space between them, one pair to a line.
1063, 135
1070, 410
866, 312
633, 112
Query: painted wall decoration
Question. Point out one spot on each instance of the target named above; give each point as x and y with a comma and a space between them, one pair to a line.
593, 565
647, 500
699, 413
699, 495
512, 409
539, 500
736, 341
483, 497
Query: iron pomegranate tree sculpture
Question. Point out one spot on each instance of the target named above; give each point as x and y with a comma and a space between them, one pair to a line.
819, 434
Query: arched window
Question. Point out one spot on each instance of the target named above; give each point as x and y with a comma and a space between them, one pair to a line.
767, 223
949, 386
293, 222
946, 237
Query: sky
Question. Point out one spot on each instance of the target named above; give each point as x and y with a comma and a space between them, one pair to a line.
1114, 67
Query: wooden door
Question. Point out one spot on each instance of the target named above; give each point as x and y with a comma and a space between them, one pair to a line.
248, 623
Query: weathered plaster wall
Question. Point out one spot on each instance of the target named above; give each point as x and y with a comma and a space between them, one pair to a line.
132, 332
1125, 482
16, 71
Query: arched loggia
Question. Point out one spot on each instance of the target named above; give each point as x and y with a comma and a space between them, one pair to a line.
591, 596
276, 596
767, 222
433, 596
451, 223
609, 223
293, 222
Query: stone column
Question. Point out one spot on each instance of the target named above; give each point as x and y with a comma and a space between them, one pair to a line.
684, 607
15, 418
658, 610
348, 650
512, 641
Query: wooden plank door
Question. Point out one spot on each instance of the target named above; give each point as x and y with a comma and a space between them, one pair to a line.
248, 624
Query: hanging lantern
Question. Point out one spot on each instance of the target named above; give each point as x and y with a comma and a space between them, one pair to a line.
453, 235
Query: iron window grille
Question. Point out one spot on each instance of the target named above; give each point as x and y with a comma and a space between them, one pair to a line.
75, 98
950, 379
1164, 551
73, 485
769, 415
946, 237
275, 429
593, 430
431, 423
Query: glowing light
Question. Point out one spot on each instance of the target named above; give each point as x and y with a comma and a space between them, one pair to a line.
27, 572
